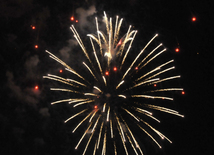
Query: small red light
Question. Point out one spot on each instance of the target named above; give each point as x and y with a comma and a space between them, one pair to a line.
115, 68
33, 27
36, 87
193, 19
136, 68
36, 46
76, 21
72, 18
155, 85
107, 73
182, 92
120, 42
177, 50
95, 107
60, 70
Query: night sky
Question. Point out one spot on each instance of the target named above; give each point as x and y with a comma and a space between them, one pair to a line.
30, 125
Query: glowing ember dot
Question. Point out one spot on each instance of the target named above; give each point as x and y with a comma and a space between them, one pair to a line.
155, 85
36, 46
95, 107
177, 50
33, 27
72, 18
136, 68
60, 70
115, 68
76, 21
182, 92
119, 42
193, 19
36, 87
107, 73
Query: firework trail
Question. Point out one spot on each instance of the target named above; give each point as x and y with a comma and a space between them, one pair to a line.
114, 99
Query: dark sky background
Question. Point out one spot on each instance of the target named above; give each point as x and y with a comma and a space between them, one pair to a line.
30, 125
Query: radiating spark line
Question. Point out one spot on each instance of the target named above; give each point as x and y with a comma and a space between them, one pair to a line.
81, 103
104, 107
121, 129
152, 58
96, 58
152, 97
131, 144
101, 127
95, 148
123, 96
157, 132
135, 141
104, 144
104, 79
88, 143
167, 110
60, 79
115, 31
90, 94
168, 69
124, 42
95, 125
98, 36
77, 100
144, 82
169, 78
93, 115
75, 115
157, 68
106, 21
149, 115
68, 90
149, 54
115, 149
139, 55
74, 72
162, 90
124, 58
71, 80
131, 114
121, 136
107, 119
150, 136
98, 89
90, 71
120, 84
112, 135
143, 110
82, 122
83, 136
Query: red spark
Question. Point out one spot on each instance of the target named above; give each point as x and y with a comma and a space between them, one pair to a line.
36, 87
155, 85
72, 18
95, 107
120, 42
60, 70
36, 46
33, 27
107, 73
136, 68
76, 21
177, 50
193, 19
182, 92
115, 68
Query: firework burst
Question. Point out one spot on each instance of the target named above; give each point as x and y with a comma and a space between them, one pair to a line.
114, 100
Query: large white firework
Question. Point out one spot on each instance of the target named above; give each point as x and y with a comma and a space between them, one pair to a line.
112, 98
